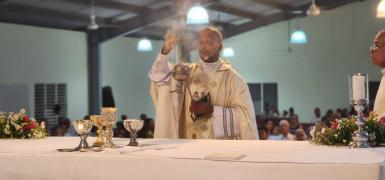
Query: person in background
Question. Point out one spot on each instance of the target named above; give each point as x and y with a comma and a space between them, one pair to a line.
284, 126
274, 111
62, 127
269, 125
275, 135
328, 118
145, 132
285, 114
267, 113
317, 115
294, 124
300, 135
123, 117
262, 133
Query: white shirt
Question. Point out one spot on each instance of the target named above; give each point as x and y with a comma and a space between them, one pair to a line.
281, 137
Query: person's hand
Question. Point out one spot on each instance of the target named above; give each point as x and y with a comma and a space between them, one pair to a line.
171, 39
201, 108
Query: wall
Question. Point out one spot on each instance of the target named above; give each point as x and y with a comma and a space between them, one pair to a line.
125, 70
315, 74
30, 55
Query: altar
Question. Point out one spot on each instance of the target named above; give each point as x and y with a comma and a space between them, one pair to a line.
170, 159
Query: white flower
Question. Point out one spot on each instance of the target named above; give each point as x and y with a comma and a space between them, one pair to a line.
42, 124
312, 131
10, 116
33, 119
344, 140
22, 111
335, 135
7, 130
17, 127
323, 130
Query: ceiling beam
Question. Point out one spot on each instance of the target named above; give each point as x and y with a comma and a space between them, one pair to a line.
330, 4
266, 20
153, 32
2, 2
145, 19
233, 11
275, 4
43, 17
138, 22
148, 35
286, 15
220, 23
238, 29
111, 5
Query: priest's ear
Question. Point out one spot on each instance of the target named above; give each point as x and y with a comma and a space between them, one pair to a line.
220, 46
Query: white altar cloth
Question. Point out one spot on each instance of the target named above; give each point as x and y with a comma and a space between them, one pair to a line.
170, 159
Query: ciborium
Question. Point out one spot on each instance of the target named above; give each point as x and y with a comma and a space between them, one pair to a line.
180, 73
108, 115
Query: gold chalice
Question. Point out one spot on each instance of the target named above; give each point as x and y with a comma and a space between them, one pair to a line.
99, 123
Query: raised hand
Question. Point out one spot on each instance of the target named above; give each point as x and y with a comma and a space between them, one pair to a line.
171, 39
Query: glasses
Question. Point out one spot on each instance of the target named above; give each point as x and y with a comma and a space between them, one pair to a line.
375, 47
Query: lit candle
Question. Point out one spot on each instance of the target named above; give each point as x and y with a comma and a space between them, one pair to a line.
358, 85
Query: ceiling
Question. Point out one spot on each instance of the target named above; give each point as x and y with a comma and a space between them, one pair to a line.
151, 18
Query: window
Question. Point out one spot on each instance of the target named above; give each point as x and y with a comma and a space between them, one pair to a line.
50, 102
262, 93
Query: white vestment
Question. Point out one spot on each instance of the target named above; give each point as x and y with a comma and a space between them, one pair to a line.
218, 83
379, 103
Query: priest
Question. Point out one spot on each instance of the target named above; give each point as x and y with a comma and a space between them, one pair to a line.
217, 104
377, 51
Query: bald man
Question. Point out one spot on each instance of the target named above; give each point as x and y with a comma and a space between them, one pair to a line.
377, 52
220, 106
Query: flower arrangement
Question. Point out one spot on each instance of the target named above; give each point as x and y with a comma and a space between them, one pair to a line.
340, 133
376, 128
20, 126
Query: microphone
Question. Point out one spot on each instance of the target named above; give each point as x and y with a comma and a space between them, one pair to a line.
208, 56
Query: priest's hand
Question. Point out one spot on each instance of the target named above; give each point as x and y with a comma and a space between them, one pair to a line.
201, 108
171, 39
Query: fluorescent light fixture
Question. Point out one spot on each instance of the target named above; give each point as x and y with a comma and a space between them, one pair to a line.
298, 37
228, 52
197, 15
144, 45
381, 9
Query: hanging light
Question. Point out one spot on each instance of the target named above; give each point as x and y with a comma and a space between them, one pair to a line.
228, 52
313, 10
298, 37
381, 9
197, 15
144, 45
